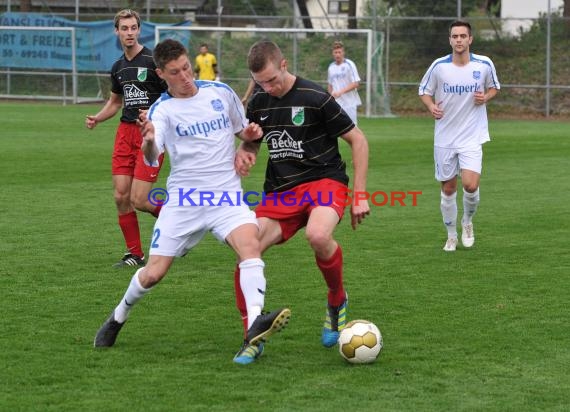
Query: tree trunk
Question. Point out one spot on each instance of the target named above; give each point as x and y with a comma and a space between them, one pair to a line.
302, 4
566, 14
352, 23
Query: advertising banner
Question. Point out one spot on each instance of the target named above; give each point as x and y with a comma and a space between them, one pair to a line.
97, 46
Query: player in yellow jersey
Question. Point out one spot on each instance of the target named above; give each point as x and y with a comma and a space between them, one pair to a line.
206, 67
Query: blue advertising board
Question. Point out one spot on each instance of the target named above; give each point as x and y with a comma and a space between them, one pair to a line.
97, 46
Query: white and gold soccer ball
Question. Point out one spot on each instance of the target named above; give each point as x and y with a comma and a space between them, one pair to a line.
360, 342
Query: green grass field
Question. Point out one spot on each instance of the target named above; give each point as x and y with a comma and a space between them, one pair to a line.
477, 330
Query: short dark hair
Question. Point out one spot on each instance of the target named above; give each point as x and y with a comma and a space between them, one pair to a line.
460, 23
261, 54
166, 51
126, 14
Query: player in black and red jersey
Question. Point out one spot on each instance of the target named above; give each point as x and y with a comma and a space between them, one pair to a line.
134, 87
305, 174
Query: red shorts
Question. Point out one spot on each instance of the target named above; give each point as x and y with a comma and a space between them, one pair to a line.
127, 156
293, 207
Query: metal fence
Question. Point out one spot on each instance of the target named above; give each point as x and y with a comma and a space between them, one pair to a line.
533, 65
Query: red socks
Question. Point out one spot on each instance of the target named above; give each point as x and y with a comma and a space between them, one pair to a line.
156, 211
130, 227
332, 272
240, 300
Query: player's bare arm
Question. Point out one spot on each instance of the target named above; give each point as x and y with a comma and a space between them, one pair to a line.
482, 97
143, 113
359, 145
435, 109
251, 132
148, 146
111, 107
350, 87
246, 154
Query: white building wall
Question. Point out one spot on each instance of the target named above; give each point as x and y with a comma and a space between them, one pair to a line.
318, 10
527, 10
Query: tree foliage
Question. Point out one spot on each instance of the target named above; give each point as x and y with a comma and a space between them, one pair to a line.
429, 33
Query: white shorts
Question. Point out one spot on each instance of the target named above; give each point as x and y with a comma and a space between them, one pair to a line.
449, 162
352, 113
179, 228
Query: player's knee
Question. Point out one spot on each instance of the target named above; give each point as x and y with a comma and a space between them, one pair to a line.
249, 251
318, 239
151, 276
448, 189
139, 203
122, 199
470, 187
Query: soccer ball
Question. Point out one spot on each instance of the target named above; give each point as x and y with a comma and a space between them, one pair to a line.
360, 342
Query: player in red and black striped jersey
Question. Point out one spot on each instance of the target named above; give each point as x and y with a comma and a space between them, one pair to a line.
301, 131
134, 87
306, 181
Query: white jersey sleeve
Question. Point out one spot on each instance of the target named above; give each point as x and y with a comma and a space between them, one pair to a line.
158, 121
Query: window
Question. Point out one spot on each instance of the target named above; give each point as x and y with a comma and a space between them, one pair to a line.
338, 7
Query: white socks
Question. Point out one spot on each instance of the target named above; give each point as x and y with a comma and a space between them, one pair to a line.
448, 208
133, 294
470, 203
252, 282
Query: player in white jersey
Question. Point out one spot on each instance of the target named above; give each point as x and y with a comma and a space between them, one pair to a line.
196, 123
455, 89
343, 81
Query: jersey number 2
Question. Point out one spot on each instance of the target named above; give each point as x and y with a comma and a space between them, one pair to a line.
155, 236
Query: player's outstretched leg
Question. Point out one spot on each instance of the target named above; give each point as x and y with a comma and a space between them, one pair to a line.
335, 321
267, 324
248, 353
107, 334
264, 326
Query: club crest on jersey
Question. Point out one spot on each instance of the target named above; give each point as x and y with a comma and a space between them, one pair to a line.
476, 74
298, 115
217, 105
141, 74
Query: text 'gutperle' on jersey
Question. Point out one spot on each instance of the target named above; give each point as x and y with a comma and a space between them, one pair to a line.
136, 80
301, 130
463, 124
200, 143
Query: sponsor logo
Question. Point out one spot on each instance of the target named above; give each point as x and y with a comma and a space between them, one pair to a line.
217, 105
476, 74
263, 118
297, 115
204, 128
461, 88
133, 92
281, 145
141, 74
134, 96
